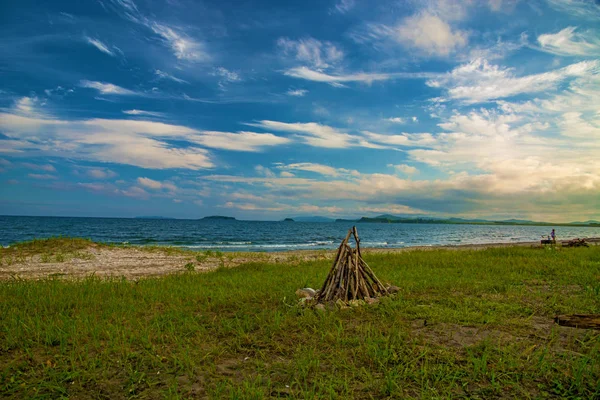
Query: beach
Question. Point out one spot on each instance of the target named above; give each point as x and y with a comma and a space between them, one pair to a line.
135, 262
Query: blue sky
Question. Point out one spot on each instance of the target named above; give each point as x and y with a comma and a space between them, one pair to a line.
263, 110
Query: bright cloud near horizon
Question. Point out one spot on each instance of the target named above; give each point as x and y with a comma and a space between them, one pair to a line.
265, 110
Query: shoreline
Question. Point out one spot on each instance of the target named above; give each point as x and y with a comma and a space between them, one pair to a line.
135, 262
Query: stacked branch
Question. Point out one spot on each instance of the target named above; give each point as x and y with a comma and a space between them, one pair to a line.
350, 278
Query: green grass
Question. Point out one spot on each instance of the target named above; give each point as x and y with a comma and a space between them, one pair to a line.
56, 249
466, 324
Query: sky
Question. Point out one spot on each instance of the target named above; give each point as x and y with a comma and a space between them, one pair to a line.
271, 109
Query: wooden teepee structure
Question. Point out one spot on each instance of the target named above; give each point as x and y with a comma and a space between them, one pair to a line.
350, 278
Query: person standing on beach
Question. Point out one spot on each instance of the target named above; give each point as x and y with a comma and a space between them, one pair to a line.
553, 236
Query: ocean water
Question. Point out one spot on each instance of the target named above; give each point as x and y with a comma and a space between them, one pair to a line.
269, 236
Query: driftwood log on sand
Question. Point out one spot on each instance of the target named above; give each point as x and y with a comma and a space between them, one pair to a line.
589, 321
350, 278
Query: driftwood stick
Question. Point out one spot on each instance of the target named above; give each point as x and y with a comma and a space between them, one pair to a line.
371, 274
587, 321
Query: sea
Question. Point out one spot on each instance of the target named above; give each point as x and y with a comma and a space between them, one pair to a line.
267, 236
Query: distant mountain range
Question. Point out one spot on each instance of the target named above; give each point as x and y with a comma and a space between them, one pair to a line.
218, 217
406, 219
313, 219
387, 218
153, 217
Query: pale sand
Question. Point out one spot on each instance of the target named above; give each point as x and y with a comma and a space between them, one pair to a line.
134, 263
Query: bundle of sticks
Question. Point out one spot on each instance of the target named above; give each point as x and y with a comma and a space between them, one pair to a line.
576, 243
350, 278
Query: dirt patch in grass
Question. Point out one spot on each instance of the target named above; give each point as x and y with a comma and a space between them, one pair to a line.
453, 335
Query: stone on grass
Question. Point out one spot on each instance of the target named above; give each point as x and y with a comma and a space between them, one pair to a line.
393, 289
306, 293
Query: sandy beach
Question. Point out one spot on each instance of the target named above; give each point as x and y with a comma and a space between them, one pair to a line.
138, 262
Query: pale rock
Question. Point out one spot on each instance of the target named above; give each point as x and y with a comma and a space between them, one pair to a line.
306, 293
393, 289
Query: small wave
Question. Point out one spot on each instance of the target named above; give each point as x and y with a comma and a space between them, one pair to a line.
250, 245
367, 244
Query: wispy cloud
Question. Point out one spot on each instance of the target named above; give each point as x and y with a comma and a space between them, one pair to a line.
107, 88
568, 42
42, 176
344, 6
184, 47
405, 139
480, 81
135, 142
39, 167
312, 52
226, 76
317, 135
144, 113
100, 173
320, 169
297, 92
99, 45
404, 169
166, 75
368, 78
396, 120
586, 9
239, 141
156, 185
429, 34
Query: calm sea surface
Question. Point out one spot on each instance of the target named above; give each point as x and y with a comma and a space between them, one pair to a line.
269, 236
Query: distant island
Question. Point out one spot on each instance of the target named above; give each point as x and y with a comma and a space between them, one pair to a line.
153, 217
288, 220
313, 219
218, 217
392, 219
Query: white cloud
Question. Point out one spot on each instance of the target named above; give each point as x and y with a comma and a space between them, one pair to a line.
479, 81
134, 142
156, 185
99, 45
311, 52
39, 167
134, 191
404, 168
142, 112
240, 141
297, 92
264, 171
42, 176
430, 35
574, 125
318, 76
405, 139
166, 75
567, 42
107, 88
321, 169
184, 47
343, 6
586, 9
227, 75
316, 135
100, 173
396, 120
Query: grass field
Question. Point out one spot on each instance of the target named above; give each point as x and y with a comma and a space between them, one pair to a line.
466, 324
